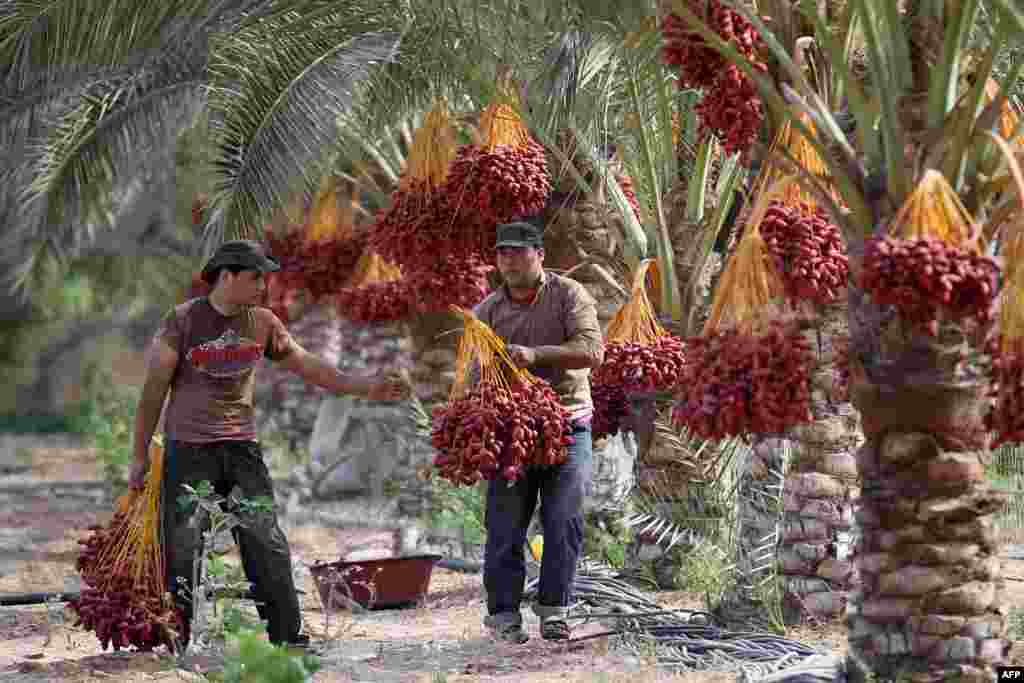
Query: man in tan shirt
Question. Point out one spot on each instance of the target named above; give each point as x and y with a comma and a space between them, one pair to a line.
205, 355
550, 325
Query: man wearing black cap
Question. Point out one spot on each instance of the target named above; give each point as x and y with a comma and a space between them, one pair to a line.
549, 323
205, 354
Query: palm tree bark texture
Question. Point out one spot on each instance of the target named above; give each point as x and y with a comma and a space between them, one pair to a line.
819, 489
928, 602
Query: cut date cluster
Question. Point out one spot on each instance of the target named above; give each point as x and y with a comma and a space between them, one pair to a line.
808, 251
745, 384
124, 618
641, 368
489, 433
118, 610
928, 279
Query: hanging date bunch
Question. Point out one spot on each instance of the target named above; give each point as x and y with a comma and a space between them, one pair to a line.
417, 222
808, 251
641, 356
930, 266
1006, 348
322, 267
731, 106
611, 409
376, 292
749, 371
507, 421
806, 247
453, 280
503, 177
700, 64
125, 603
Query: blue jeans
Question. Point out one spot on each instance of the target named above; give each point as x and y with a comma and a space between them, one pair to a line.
509, 510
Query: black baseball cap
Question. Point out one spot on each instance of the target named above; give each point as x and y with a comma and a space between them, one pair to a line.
249, 254
519, 234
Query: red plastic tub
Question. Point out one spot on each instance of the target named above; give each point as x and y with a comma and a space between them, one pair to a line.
385, 583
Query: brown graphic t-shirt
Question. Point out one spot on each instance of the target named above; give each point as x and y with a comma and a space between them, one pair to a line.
212, 389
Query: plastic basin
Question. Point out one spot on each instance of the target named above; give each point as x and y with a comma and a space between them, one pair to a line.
384, 583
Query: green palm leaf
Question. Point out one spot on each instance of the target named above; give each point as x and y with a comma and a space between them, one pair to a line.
274, 115
111, 132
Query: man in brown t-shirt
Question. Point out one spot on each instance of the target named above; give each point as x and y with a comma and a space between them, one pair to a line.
205, 354
550, 325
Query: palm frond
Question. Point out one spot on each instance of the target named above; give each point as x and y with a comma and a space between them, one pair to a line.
114, 129
275, 112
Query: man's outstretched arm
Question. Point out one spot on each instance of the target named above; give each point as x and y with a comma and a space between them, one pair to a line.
316, 370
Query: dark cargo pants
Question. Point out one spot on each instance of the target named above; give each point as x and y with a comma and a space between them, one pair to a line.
561, 489
266, 557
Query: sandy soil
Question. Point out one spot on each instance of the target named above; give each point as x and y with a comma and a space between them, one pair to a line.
444, 635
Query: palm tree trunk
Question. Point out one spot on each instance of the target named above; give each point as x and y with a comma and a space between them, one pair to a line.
929, 598
818, 493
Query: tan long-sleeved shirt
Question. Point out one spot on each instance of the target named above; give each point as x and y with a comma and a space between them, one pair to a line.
562, 314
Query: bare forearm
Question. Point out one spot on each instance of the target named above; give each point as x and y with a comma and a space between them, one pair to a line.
317, 371
568, 357
147, 415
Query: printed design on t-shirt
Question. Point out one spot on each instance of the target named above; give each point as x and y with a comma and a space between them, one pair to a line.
227, 356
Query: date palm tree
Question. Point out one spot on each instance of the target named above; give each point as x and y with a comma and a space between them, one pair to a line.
928, 603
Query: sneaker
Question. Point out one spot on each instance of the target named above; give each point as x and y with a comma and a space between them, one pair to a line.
554, 629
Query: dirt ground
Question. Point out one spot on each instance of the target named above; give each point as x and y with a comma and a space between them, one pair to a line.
38, 546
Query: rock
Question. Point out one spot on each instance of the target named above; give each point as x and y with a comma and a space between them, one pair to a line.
973, 597
613, 472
